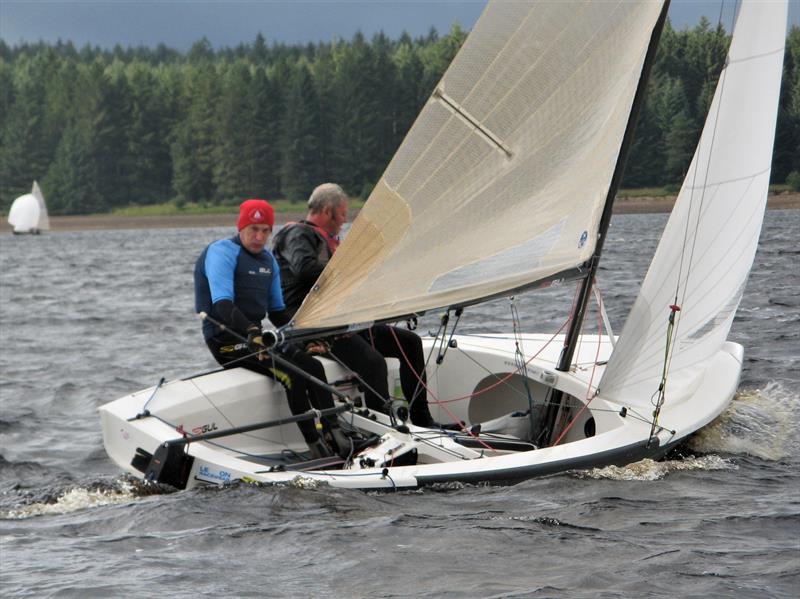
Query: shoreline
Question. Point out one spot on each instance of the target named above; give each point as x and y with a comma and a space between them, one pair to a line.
622, 205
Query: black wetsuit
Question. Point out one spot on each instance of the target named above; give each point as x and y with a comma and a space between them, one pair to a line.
239, 289
302, 251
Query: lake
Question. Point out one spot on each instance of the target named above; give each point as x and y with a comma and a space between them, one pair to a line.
89, 316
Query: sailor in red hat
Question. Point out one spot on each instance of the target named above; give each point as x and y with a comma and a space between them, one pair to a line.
237, 283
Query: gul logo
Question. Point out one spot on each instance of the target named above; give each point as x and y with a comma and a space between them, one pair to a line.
206, 428
257, 216
264, 270
584, 237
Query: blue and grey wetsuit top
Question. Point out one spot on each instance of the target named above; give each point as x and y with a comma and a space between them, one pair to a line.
227, 271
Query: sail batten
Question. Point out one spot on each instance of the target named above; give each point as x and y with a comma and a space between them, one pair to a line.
504, 183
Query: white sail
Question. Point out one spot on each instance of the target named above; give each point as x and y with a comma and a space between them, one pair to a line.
704, 257
44, 219
502, 179
28, 213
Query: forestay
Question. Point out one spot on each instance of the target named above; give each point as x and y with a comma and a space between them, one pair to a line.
502, 179
704, 257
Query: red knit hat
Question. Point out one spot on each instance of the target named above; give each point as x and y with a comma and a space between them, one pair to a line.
255, 212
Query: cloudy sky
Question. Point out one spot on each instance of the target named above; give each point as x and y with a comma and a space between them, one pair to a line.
179, 23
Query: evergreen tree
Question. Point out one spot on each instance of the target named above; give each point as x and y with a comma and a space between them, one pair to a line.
356, 131
148, 152
301, 165
645, 163
103, 105
264, 138
410, 96
134, 124
386, 106
71, 182
679, 145
438, 54
234, 120
194, 141
786, 157
23, 154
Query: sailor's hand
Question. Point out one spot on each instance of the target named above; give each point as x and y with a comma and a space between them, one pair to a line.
255, 342
318, 346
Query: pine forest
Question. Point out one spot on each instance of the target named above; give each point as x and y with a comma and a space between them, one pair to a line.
105, 129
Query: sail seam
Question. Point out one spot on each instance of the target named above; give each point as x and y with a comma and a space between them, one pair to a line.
753, 57
726, 181
470, 120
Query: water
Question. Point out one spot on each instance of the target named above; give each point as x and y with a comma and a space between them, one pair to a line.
86, 317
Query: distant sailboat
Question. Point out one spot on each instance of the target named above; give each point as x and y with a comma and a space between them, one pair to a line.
523, 140
28, 213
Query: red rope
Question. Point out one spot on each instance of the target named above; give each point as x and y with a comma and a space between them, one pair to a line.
591, 378
421, 382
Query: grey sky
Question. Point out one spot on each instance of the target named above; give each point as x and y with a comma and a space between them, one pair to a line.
179, 23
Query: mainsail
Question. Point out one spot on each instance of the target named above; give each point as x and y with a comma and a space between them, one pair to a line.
502, 180
704, 257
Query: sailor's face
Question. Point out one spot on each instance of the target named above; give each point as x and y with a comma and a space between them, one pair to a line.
255, 237
336, 217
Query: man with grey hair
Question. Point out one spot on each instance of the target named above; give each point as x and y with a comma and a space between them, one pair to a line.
302, 250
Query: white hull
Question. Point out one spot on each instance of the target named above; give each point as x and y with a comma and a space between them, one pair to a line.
237, 397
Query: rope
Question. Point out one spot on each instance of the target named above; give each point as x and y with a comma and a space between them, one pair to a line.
430, 392
659, 396
519, 360
504, 379
588, 387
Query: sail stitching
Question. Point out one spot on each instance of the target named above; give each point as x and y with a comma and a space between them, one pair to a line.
442, 82
755, 56
733, 180
723, 78
489, 114
675, 308
489, 184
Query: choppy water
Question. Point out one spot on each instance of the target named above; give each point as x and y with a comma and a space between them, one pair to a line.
86, 317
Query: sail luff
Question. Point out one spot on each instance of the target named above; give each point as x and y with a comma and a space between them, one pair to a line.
548, 421
584, 295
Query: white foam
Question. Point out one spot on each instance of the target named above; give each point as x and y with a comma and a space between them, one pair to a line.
73, 500
763, 423
651, 470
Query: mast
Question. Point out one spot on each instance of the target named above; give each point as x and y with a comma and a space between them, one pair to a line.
579, 311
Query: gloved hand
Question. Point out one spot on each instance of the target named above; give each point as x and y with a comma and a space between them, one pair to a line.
255, 342
318, 346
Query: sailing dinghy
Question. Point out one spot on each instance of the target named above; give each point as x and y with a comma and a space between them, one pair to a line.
28, 213
526, 136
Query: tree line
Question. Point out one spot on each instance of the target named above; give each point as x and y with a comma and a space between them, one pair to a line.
102, 129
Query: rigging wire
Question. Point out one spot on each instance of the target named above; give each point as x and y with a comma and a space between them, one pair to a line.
691, 230
387, 402
504, 379
589, 385
519, 359
430, 392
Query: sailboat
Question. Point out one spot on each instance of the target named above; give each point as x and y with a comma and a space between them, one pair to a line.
525, 136
28, 213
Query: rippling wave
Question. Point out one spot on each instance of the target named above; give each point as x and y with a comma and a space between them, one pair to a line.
87, 317
763, 423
